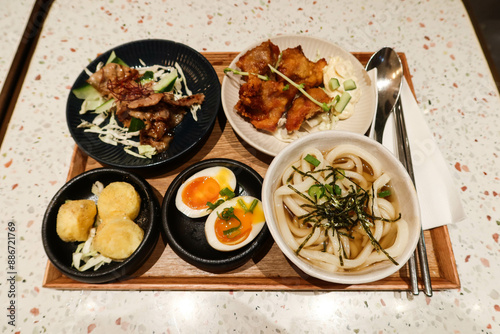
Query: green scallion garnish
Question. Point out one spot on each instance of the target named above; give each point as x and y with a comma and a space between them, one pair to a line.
232, 230
226, 192
384, 193
316, 191
312, 160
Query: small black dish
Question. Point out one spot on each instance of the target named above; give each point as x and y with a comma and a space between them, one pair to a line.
60, 252
186, 235
189, 135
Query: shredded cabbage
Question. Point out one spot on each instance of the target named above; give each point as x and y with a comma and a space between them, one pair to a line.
90, 258
113, 133
97, 188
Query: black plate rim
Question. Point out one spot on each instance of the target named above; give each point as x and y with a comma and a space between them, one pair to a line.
124, 268
156, 161
240, 256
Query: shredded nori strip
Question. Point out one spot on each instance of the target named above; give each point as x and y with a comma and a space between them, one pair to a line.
340, 212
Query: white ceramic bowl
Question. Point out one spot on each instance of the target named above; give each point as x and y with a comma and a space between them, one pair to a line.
265, 142
400, 181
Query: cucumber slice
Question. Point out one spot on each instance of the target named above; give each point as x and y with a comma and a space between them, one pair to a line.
114, 59
166, 83
86, 92
147, 77
334, 83
349, 84
106, 106
343, 101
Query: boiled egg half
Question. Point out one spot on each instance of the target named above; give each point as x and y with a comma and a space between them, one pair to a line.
202, 187
234, 223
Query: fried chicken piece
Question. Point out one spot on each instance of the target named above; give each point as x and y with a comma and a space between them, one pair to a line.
256, 60
303, 108
264, 102
295, 65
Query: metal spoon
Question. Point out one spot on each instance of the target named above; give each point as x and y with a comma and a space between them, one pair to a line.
389, 80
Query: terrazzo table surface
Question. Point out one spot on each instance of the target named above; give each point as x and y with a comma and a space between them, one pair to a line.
454, 88
13, 19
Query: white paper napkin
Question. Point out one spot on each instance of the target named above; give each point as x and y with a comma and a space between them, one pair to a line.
437, 192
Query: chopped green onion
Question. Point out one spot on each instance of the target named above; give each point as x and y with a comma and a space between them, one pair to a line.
316, 191
329, 188
227, 193
337, 190
212, 206
384, 193
232, 230
253, 205
312, 160
244, 206
227, 214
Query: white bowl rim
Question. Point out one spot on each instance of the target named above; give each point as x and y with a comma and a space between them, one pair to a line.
341, 277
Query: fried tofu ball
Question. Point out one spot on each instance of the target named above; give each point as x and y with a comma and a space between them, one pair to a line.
118, 238
75, 219
118, 199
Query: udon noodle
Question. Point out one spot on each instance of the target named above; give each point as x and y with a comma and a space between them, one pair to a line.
336, 209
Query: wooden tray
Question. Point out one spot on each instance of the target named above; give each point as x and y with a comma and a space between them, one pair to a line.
166, 271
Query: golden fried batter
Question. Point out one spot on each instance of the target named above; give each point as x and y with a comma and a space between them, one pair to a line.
118, 238
295, 65
264, 102
75, 219
119, 199
256, 60
303, 108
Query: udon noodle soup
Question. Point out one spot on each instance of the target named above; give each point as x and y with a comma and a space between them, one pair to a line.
336, 210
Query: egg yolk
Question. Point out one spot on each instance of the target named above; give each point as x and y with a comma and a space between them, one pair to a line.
201, 190
232, 231
223, 177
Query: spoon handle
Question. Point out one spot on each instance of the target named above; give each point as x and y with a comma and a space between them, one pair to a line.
405, 158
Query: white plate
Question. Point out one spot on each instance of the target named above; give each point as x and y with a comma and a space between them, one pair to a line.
313, 48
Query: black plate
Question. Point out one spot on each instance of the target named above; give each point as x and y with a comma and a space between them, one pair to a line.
186, 235
188, 136
60, 252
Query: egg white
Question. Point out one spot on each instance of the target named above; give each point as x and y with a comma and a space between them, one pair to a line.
224, 176
210, 225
